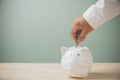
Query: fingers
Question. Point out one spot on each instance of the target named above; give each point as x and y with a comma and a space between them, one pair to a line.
74, 29
82, 35
72, 32
81, 39
80, 24
76, 26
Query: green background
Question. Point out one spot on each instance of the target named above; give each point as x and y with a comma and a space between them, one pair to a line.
35, 31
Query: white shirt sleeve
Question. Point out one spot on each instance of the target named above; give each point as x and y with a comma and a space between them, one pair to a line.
101, 12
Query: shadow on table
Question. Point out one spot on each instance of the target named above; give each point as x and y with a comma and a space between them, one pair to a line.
100, 76
104, 76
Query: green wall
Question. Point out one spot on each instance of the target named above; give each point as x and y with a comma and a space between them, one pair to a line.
35, 30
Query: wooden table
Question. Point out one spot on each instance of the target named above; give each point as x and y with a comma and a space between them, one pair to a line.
54, 71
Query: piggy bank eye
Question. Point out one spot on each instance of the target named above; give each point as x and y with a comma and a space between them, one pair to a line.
78, 54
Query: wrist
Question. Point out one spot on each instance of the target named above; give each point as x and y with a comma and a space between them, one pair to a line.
87, 25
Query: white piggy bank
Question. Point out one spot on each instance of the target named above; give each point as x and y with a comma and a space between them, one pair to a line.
76, 62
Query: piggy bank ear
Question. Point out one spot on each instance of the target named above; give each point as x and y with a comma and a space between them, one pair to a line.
86, 51
63, 50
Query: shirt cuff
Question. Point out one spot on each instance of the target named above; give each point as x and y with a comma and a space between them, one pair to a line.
93, 16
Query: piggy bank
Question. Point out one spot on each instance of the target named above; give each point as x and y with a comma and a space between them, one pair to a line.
76, 62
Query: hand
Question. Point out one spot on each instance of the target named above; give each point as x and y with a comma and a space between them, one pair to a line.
80, 24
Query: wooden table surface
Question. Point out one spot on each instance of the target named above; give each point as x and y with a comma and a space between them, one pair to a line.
54, 71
